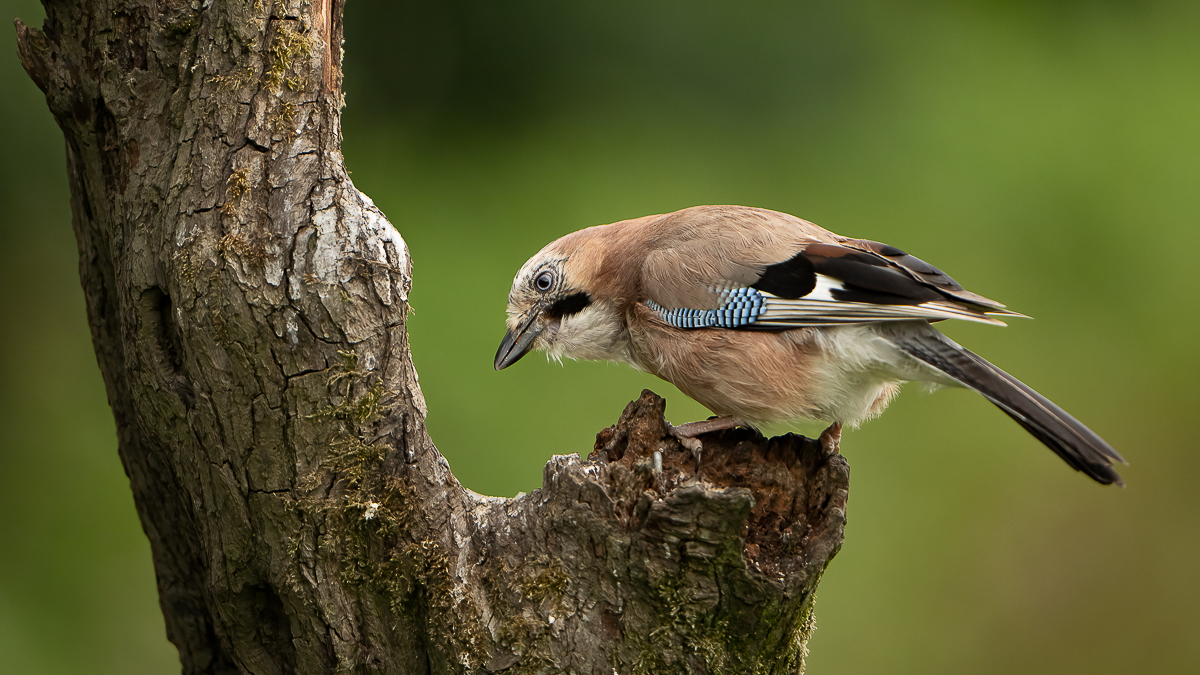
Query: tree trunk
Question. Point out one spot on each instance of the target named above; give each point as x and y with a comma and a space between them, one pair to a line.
248, 307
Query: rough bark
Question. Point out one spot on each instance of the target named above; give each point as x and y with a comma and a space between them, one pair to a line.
248, 306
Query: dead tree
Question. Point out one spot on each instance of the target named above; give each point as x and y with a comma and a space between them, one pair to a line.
247, 306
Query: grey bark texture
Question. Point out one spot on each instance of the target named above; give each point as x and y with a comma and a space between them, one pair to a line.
248, 307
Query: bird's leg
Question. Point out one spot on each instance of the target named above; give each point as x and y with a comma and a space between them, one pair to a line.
831, 438
687, 433
694, 429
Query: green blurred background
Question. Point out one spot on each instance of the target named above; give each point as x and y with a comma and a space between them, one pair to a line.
1046, 154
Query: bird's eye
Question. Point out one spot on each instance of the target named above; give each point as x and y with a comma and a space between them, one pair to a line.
544, 281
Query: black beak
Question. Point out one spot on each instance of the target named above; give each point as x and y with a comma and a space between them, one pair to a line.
517, 344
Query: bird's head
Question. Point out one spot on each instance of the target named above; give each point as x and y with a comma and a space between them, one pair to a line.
559, 305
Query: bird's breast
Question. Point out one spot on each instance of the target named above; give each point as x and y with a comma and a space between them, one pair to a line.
594, 334
829, 374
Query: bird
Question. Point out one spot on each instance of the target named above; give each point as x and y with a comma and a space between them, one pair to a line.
763, 317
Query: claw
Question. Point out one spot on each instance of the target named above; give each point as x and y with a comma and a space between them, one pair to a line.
692, 444
687, 433
696, 448
831, 438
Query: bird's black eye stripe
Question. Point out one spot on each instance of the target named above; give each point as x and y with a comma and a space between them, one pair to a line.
572, 304
544, 281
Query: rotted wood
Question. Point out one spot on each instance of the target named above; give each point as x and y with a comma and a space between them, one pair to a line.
248, 308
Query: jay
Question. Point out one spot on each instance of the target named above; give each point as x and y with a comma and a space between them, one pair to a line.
763, 317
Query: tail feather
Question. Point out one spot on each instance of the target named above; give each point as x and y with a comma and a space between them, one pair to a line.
1078, 445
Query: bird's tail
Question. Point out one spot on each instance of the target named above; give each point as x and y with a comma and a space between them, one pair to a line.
1078, 445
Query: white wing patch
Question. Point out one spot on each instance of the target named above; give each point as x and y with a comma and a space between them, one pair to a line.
824, 289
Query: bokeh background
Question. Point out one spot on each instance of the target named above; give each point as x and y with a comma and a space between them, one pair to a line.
1046, 154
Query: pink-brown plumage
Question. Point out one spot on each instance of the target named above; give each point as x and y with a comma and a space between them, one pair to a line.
753, 376
761, 317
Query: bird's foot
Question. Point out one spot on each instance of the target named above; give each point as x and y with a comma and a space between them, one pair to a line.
831, 438
694, 429
687, 433
691, 444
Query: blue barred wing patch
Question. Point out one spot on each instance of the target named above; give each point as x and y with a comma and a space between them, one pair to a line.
741, 306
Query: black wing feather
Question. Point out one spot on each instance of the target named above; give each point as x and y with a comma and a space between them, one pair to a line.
925, 272
865, 276
793, 278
